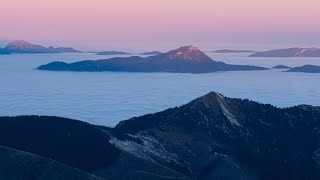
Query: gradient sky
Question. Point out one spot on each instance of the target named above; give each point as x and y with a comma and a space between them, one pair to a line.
162, 24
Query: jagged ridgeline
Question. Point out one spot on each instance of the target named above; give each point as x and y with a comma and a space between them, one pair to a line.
212, 137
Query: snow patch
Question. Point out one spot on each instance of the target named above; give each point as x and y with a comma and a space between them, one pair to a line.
150, 148
226, 112
205, 104
301, 51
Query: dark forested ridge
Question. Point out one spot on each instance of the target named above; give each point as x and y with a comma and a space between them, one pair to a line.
72, 142
19, 165
212, 137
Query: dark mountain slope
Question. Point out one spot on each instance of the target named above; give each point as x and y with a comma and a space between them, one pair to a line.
19, 165
72, 142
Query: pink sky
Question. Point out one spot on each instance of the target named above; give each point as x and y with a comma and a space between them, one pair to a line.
162, 24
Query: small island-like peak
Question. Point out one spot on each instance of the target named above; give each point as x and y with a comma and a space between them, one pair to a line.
19, 44
24, 47
112, 53
232, 51
281, 67
306, 69
151, 53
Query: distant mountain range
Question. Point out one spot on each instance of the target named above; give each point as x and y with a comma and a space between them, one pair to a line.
306, 69
186, 59
290, 52
212, 137
151, 53
23, 47
111, 53
232, 51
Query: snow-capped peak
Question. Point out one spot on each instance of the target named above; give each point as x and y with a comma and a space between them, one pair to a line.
189, 53
18, 43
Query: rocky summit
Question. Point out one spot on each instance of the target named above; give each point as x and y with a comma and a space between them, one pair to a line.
187, 53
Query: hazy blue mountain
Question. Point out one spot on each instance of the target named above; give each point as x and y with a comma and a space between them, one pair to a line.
281, 67
151, 53
232, 51
111, 53
186, 59
306, 69
23, 47
290, 52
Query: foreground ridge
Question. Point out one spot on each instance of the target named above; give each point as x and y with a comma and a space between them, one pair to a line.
211, 137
